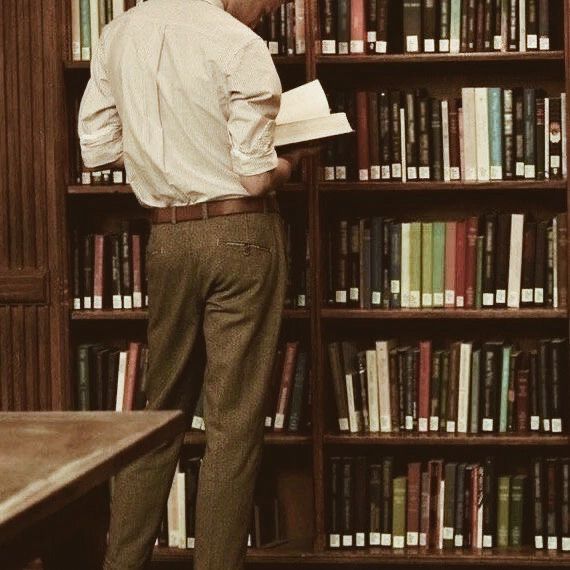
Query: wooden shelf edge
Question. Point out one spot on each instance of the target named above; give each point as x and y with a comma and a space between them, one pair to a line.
437, 186
333, 313
452, 440
411, 58
269, 438
142, 314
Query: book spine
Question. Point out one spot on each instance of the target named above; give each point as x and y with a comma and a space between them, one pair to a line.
383, 375
436, 141
411, 141
424, 155
519, 133
376, 260
522, 400
475, 387
328, 27
338, 386
373, 391
450, 263
455, 26
488, 266
347, 497
435, 389
98, 270
508, 132
413, 499
387, 502
454, 146
395, 259
424, 386
444, 25
469, 134
371, 25
482, 134
515, 261
375, 494
291, 351
540, 138
544, 25
298, 392
504, 388
529, 105
357, 27
300, 47
531, 24
489, 26
362, 135
528, 254
438, 263
480, 25
429, 25
426, 264
412, 25
383, 7
503, 504
385, 125
464, 385
472, 226
374, 136
445, 141
399, 512
562, 259
460, 255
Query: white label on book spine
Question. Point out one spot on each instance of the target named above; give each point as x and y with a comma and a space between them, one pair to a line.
446, 173
487, 424
385, 172
498, 42
363, 174
343, 424
450, 426
459, 301
429, 45
86, 302
552, 543
501, 296
449, 297
354, 293
565, 543
532, 41
519, 169
137, 299
347, 539
340, 172
412, 172
487, 541
409, 423
458, 542
381, 46
374, 538
529, 171
376, 298
412, 538
414, 299
356, 46
279, 420
85, 54
196, 422
385, 424
386, 539
424, 173
396, 170
191, 541
554, 161
395, 286
544, 43
454, 45
360, 539
447, 533
412, 43
268, 421
422, 424
343, 48
76, 303
438, 299
398, 542
556, 425
455, 173
423, 539
546, 424
328, 46
340, 296
488, 299
301, 300
426, 300
496, 172
513, 299
371, 36
444, 45
97, 302
375, 172
86, 178
329, 173
539, 295
334, 540
538, 542
300, 46
534, 423
273, 48
527, 295
118, 176
127, 302
117, 302
434, 423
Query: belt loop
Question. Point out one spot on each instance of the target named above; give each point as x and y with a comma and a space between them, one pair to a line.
173, 214
204, 210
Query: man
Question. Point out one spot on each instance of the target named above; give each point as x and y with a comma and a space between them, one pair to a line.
186, 94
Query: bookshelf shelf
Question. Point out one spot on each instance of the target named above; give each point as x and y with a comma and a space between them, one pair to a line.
451, 440
142, 314
443, 314
426, 58
270, 438
433, 186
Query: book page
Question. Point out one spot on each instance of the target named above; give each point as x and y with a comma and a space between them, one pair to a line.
304, 102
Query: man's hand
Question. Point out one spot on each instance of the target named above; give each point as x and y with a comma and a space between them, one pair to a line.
295, 152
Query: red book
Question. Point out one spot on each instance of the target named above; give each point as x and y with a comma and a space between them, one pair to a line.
131, 375
471, 261
98, 275
522, 400
413, 506
291, 349
450, 253
137, 272
454, 155
424, 387
362, 148
460, 254
357, 26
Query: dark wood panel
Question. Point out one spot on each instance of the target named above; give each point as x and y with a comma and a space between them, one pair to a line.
23, 286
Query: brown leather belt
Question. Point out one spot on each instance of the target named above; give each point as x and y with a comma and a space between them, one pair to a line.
212, 208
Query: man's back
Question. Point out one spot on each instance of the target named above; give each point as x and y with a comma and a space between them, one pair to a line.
170, 66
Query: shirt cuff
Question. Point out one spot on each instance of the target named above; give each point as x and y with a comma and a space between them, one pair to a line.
252, 164
103, 147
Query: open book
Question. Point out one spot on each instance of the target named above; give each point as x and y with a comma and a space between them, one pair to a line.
305, 116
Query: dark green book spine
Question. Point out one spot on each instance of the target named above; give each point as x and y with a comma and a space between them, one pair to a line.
85, 29
386, 510
399, 513
395, 264
538, 487
376, 259
529, 96
298, 392
375, 495
489, 503
335, 483
445, 373
83, 378
516, 514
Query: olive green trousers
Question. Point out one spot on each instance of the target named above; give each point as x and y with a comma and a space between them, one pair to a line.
219, 281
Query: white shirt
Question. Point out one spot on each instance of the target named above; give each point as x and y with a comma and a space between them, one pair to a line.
187, 95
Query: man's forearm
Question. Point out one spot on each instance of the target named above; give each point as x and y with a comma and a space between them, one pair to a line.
261, 184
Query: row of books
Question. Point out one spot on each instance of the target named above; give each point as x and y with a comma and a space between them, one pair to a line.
448, 505
491, 261
489, 134
178, 526
445, 26
284, 29
102, 177
464, 387
88, 18
111, 378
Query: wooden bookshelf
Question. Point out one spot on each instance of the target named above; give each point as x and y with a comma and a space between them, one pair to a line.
142, 314
270, 438
442, 314
514, 186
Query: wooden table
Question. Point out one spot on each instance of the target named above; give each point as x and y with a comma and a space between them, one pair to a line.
53, 472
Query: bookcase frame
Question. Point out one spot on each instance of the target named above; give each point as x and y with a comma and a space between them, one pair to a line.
313, 550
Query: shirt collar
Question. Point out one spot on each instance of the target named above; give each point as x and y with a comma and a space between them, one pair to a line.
217, 3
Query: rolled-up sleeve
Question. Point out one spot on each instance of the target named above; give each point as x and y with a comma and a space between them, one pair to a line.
254, 99
99, 126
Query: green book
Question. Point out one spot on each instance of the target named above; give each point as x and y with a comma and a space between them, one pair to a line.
455, 26
427, 264
474, 391
438, 263
85, 29
504, 394
503, 500
83, 377
399, 512
495, 114
479, 272
415, 264
405, 267
516, 510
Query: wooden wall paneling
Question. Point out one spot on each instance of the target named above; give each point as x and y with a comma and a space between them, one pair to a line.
18, 358
44, 393
3, 146
31, 348
6, 388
